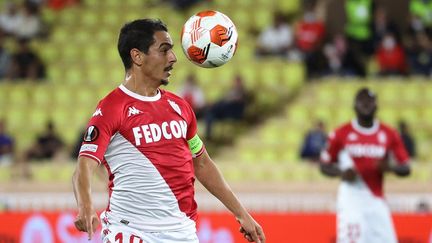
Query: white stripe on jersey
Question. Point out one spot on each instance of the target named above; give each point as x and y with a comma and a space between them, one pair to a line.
140, 195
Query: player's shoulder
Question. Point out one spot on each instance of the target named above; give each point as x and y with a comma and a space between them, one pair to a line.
111, 104
112, 99
173, 97
387, 128
344, 128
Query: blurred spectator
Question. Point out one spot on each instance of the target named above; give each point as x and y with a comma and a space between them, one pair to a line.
314, 142
48, 145
407, 138
194, 95
421, 16
9, 18
358, 30
182, 4
25, 63
277, 39
340, 59
231, 106
29, 24
391, 57
420, 55
309, 34
5, 58
61, 4
6, 145
381, 26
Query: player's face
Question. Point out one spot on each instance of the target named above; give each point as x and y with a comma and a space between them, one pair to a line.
366, 106
160, 59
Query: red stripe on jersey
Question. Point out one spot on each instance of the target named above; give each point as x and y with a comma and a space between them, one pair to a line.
91, 157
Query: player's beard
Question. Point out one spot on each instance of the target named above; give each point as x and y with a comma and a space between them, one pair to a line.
164, 82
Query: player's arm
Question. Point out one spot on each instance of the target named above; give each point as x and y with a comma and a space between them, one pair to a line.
402, 165
401, 170
211, 178
336, 163
87, 219
334, 170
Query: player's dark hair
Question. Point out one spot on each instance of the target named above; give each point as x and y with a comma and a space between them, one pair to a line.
137, 34
365, 91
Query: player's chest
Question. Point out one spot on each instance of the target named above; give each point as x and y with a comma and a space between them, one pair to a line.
154, 124
373, 146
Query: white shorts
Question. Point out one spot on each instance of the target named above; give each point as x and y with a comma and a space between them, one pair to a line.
362, 217
116, 232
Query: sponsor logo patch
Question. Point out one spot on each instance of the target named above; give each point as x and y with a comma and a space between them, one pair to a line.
91, 134
89, 148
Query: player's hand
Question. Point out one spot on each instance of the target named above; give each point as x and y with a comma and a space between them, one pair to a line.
349, 175
87, 221
251, 230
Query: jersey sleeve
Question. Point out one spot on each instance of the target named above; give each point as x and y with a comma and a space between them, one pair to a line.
101, 127
398, 148
195, 143
331, 151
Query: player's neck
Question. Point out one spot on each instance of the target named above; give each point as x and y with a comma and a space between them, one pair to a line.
366, 123
139, 85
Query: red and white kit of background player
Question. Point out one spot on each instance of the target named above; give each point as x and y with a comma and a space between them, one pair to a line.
359, 152
147, 139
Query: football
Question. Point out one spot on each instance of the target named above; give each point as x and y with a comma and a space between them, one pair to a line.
209, 39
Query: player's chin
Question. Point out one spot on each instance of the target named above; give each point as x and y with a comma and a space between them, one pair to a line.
164, 81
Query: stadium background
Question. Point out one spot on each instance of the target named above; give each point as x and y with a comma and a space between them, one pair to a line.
260, 160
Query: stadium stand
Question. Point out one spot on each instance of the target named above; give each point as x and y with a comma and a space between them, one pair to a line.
83, 65
273, 147
84, 36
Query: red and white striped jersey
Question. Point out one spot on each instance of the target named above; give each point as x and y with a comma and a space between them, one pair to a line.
143, 143
366, 147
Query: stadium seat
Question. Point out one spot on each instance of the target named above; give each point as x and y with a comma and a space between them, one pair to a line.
262, 18
288, 6
19, 96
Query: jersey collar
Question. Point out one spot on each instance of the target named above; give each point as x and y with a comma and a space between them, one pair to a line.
140, 97
365, 130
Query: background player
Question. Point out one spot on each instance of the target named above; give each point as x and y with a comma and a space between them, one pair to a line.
360, 152
147, 139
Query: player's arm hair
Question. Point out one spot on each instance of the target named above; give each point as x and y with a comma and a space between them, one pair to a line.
81, 181
211, 178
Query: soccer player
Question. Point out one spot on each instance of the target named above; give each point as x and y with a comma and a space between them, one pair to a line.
359, 152
146, 137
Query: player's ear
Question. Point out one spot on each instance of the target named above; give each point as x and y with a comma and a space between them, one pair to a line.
136, 56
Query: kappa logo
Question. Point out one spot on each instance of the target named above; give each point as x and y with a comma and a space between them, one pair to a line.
352, 137
133, 111
175, 106
98, 112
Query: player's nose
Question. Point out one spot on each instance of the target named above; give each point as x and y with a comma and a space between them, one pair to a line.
172, 57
